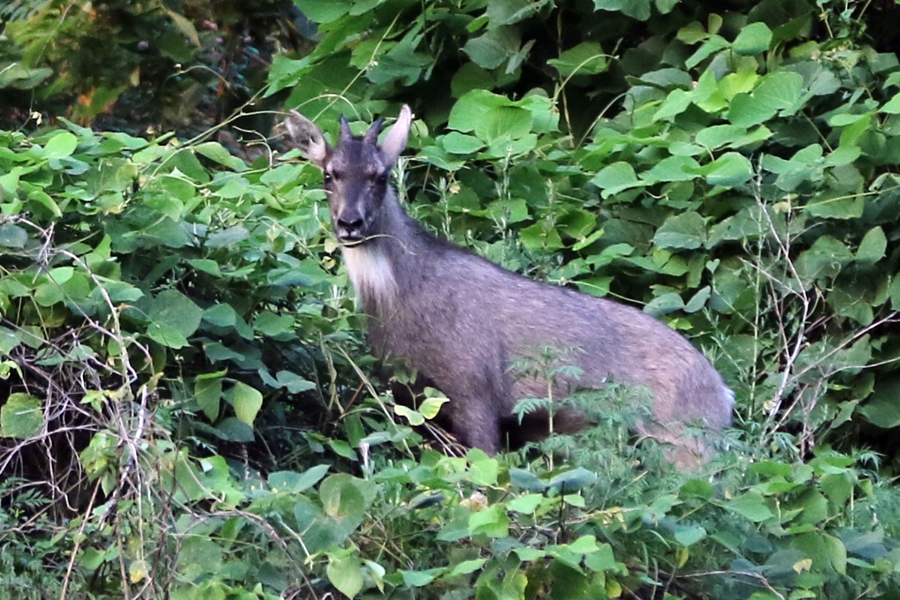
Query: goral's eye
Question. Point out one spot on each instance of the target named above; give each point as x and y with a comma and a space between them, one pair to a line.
382, 179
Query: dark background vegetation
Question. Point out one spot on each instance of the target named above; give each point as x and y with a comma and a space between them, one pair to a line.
187, 408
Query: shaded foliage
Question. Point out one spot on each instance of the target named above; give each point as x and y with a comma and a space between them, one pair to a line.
187, 407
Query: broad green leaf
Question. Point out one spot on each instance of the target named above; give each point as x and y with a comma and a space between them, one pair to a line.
247, 402
780, 90
167, 335
217, 152
825, 258
526, 480
419, 578
21, 417
746, 111
526, 504
346, 574
272, 325
467, 566
492, 522
675, 103
689, 535
207, 266
719, 135
485, 471
208, 393
685, 231
673, 168
413, 417
294, 383
431, 406
227, 237
494, 47
297, 482
199, 556
615, 178
61, 145
324, 12
698, 301
586, 58
13, 236
753, 39
731, 169
751, 506
586, 544
873, 246
603, 560
172, 310
458, 143
346, 497
639, 9
573, 480
892, 106
507, 12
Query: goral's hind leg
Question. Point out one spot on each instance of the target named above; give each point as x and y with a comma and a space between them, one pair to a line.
474, 423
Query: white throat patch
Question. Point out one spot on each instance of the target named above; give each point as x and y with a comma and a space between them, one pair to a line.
371, 274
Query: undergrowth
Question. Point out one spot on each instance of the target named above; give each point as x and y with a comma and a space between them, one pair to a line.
188, 410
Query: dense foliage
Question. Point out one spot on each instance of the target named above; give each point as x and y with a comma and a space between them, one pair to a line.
188, 410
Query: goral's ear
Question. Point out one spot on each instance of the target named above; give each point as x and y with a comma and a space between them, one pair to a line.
396, 138
308, 138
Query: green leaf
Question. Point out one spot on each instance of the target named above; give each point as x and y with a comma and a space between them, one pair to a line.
247, 402
13, 236
485, 471
698, 301
825, 258
21, 417
166, 335
873, 246
689, 535
638, 9
526, 504
572, 480
297, 483
586, 58
458, 143
685, 231
753, 39
467, 566
227, 237
61, 145
208, 393
751, 506
615, 178
413, 417
586, 544
882, 409
294, 383
419, 578
346, 574
173, 308
492, 522
892, 106
324, 12
494, 47
718, 135
779, 92
432, 405
217, 152
672, 168
730, 169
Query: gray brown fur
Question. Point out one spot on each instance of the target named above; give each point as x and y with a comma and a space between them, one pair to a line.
460, 320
